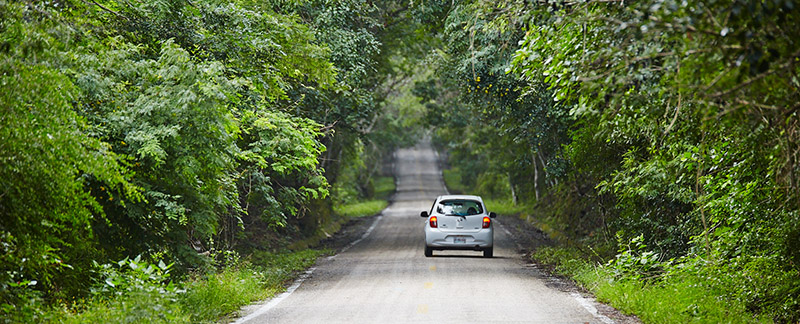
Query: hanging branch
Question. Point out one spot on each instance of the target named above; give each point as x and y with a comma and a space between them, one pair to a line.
757, 77
109, 10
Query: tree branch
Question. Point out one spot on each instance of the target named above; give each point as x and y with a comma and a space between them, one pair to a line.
756, 78
109, 10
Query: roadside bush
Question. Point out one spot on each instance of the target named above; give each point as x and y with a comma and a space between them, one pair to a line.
763, 284
128, 291
20, 302
635, 262
138, 291
131, 276
684, 293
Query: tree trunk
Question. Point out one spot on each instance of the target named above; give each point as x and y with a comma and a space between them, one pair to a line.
513, 192
535, 177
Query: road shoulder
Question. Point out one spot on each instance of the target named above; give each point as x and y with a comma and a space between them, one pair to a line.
527, 239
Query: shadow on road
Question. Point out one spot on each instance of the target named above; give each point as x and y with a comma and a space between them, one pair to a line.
461, 256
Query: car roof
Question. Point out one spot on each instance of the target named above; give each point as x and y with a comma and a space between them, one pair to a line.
466, 197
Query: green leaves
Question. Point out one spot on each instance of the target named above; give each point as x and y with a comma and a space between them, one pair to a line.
681, 111
282, 143
635, 262
47, 163
280, 158
671, 123
150, 128
172, 116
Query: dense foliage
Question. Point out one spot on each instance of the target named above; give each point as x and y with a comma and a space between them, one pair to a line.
177, 130
673, 123
663, 134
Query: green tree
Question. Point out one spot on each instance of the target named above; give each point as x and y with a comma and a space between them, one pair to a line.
48, 166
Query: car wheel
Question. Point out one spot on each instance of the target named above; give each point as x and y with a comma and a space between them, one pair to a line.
428, 252
488, 253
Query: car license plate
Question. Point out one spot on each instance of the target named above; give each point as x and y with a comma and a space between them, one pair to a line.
459, 239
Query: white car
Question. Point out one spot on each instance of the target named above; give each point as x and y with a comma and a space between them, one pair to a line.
459, 222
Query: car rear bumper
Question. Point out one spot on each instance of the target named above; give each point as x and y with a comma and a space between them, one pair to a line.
458, 247
439, 240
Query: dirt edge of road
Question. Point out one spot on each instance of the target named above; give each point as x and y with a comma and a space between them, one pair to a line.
529, 238
350, 231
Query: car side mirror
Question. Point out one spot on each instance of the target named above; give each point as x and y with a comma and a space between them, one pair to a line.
423, 214
492, 215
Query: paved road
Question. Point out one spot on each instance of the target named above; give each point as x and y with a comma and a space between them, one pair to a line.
384, 278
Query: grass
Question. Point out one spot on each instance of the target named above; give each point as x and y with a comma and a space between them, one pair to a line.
384, 188
361, 209
224, 293
505, 207
684, 300
200, 300
682, 297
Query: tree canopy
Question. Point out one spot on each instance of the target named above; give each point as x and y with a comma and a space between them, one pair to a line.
172, 129
175, 128
674, 122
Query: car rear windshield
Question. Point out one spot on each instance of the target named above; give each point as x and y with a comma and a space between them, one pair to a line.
459, 207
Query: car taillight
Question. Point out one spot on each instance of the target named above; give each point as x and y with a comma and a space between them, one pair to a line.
487, 222
434, 222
